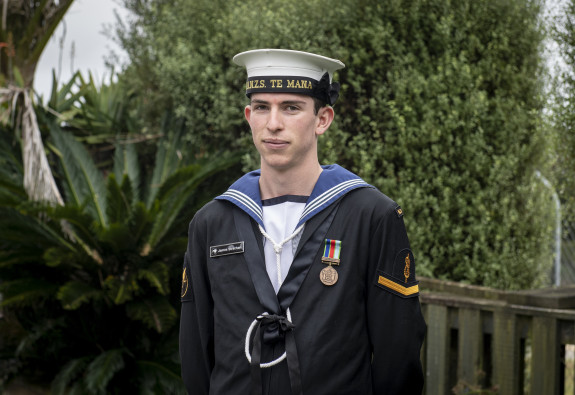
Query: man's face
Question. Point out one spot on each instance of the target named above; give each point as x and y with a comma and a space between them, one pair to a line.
285, 129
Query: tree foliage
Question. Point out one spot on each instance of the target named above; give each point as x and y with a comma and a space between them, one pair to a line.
26, 27
441, 108
564, 34
92, 285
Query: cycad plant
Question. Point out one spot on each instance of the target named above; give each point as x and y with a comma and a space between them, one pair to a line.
91, 288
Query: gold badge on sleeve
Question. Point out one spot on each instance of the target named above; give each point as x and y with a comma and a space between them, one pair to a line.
184, 284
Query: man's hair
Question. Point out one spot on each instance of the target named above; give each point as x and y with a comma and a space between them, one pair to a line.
317, 104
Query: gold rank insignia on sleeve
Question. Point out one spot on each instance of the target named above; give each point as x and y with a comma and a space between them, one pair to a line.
406, 268
184, 283
394, 286
400, 278
399, 211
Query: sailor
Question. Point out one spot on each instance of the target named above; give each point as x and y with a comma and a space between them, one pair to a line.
299, 279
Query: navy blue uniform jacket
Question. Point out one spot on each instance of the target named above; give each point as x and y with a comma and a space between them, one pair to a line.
361, 336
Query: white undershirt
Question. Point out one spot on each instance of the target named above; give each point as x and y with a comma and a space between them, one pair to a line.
281, 216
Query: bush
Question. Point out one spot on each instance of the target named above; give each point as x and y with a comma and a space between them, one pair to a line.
441, 108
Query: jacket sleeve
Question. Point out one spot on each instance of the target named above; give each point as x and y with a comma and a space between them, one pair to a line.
196, 323
396, 324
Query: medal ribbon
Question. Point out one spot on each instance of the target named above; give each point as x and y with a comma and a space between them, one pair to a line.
332, 249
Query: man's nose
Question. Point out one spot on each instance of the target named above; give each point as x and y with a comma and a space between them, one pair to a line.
275, 121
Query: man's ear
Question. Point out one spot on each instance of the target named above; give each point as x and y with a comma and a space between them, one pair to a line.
325, 117
248, 112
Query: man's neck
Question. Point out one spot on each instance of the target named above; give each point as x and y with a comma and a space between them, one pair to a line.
274, 183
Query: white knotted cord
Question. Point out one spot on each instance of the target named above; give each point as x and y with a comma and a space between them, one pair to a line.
249, 335
277, 250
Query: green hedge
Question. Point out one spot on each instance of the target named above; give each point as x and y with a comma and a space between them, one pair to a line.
441, 108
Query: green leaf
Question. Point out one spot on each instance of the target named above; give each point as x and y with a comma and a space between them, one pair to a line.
119, 199
83, 181
157, 275
103, 368
126, 163
75, 293
120, 289
56, 256
178, 189
156, 313
158, 378
26, 292
166, 163
70, 373
18, 77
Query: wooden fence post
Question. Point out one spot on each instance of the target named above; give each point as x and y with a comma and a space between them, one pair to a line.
470, 346
545, 356
506, 351
437, 362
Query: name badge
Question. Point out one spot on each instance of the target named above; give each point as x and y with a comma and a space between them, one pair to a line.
227, 249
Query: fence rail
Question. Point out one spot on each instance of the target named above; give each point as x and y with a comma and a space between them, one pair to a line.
503, 342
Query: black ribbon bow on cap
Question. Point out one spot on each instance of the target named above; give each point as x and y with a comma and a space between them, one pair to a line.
326, 91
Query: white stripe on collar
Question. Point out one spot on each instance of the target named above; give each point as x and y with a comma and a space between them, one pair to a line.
334, 182
244, 200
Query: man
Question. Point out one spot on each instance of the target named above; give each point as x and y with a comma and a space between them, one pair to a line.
299, 279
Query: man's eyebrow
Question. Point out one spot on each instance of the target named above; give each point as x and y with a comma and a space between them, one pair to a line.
300, 102
259, 101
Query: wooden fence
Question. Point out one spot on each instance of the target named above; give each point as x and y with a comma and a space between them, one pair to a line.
485, 341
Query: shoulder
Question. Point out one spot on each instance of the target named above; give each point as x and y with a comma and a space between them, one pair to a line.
214, 208
213, 213
373, 201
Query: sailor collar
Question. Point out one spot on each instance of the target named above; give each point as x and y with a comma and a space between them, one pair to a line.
334, 182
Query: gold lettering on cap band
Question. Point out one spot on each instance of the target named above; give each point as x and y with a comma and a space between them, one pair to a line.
280, 84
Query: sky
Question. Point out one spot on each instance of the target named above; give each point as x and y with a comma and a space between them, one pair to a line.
81, 33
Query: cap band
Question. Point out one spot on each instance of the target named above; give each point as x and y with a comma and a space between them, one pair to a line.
288, 84
322, 89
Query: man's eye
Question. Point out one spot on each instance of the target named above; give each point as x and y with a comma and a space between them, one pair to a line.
260, 107
292, 108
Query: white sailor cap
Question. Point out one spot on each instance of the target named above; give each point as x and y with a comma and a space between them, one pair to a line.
287, 71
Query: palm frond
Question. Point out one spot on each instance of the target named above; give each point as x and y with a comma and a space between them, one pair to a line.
120, 289
101, 370
178, 188
8, 259
75, 293
62, 100
157, 275
11, 193
157, 378
39, 331
68, 375
118, 198
26, 292
84, 183
140, 222
26, 228
117, 236
167, 161
126, 163
83, 225
57, 256
155, 312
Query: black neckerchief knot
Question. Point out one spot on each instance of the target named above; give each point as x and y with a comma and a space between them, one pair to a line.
283, 323
275, 327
